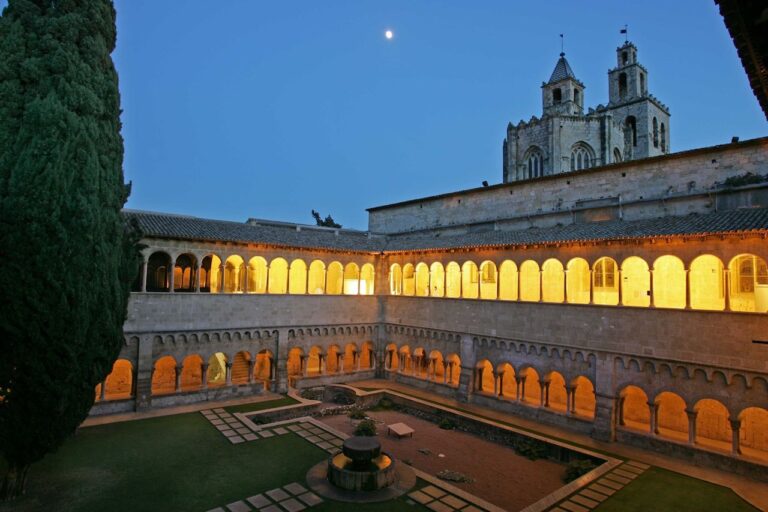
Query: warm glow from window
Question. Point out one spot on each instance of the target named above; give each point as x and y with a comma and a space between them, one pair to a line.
409, 280
529, 281
297, 278
367, 275
552, 281
395, 280
706, 283
334, 279
422, 280
316, 278
577, 281
453, 280
351, 279
605, 282
257, 275
488, 280
469, 280
669, 283
508, 280
437, 280
234, 277
748, 283
278, 276
635, 282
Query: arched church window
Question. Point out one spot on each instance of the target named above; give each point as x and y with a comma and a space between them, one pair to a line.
582, 156
534, 163
655, 133
622, 85
642, 83
576, 98
630, 131
557, 96
624, 57
663, 138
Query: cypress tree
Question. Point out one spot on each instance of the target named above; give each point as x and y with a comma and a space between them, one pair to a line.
67, 258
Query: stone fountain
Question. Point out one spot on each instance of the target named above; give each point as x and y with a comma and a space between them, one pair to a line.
362, 473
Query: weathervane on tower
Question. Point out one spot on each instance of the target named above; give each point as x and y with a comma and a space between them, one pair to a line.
626, 36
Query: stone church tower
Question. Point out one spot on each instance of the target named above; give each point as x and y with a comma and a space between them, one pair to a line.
633, 125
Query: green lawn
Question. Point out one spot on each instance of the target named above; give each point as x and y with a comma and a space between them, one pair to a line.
661, 490
171, 463
260, 406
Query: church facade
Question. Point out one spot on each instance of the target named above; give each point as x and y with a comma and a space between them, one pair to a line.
632, 125
625, 298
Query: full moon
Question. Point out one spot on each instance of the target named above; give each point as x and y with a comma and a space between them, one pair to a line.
389, 34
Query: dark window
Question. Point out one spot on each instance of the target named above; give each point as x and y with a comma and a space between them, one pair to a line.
557, 96
622, 85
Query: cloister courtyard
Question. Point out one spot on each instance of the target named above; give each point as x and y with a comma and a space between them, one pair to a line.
217, 458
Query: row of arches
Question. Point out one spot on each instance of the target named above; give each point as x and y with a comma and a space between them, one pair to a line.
432, 366
235, 275
706, 423
706, 284
528, 386
333, 360
193, 373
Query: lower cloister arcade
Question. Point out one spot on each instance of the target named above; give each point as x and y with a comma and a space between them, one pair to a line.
428, 365
528, 386
706, 423
161, 272
705, 284
335, 359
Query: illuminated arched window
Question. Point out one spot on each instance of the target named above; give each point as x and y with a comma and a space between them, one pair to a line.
488, 280
453, 280
552, 281
577, 281
422, 280
278, 276
437, 280
367, 277
530, 284
508, 280
316, 278
395, 280
210, 274
706, 283
334, 279
582, 156
635, 282
234, 275
297, 279
351, 279
409, 280
669, 283
469, 280
257, 275
184, 273
158, 272
748, 283
605, 282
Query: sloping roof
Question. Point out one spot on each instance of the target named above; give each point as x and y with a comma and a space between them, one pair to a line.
161, 225
562, 70
736, 221
164, 225
747, 22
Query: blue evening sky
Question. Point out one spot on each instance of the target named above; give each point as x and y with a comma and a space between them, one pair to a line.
237, 109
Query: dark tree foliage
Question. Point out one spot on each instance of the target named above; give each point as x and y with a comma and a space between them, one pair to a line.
327, 223
66, 255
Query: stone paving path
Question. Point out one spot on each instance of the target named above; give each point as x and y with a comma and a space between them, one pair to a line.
438, 500
592, 495
293, 497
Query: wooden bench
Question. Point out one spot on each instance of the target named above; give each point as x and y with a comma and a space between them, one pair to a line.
400, 430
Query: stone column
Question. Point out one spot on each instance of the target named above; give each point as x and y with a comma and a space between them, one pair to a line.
735, 441
604, 425
521, 389
652, 302
144, 369
179, 369
251, 366
171, 276
197, 278
727, 289
103, 389
468, 362
303, 365
687, 288
228, 369
357, 361
445, 372
222, 268
591, 287
691, 426
495, 385
321, 362
144, 275
620, 411
543, 395
244, 279
204, 375
501, 384
133, 385
654, 418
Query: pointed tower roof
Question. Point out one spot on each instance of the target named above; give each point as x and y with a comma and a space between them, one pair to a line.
562, 70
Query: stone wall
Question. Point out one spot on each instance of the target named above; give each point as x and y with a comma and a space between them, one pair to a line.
674, 184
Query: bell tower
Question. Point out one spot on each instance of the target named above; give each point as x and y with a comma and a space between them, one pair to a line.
563, 94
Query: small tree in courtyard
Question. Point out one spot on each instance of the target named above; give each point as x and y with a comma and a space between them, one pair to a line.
66, 255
